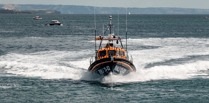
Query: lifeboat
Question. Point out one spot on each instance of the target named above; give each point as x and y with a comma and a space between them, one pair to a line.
112, 57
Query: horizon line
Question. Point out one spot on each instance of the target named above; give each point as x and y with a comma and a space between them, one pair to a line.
102, 6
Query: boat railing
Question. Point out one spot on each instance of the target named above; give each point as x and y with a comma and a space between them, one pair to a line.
129, 57
92, 59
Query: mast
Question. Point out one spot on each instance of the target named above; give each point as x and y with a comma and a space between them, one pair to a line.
110, 24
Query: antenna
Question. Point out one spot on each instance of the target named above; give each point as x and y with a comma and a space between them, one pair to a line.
95, 28
126, 28
103, 29
118, 22
126, 19
94, 19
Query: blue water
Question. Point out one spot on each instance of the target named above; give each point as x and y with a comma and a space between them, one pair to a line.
41, 63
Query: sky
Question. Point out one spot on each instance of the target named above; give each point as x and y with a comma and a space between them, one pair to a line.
199, 4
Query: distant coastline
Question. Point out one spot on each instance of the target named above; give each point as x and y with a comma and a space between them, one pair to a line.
74, 9
4, 11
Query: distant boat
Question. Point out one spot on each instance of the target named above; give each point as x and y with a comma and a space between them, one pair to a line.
129, 13
54, 22
37, 18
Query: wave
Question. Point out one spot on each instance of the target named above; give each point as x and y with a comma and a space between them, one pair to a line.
170, 58
1, 52
185, 71
47, 65
6, 31
176, 61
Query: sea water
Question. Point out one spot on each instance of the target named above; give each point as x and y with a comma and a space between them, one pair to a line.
40, 63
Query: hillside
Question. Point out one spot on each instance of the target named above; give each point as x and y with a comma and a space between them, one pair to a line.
73, 9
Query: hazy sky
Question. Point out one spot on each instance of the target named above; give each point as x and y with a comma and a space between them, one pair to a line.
202, 4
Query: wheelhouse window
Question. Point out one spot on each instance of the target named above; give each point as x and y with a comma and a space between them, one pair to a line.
102, 53
121, 53
111, 52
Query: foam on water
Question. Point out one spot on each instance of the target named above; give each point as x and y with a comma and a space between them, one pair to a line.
185, 71
47, 65
170, 49
73, 64
6, 31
